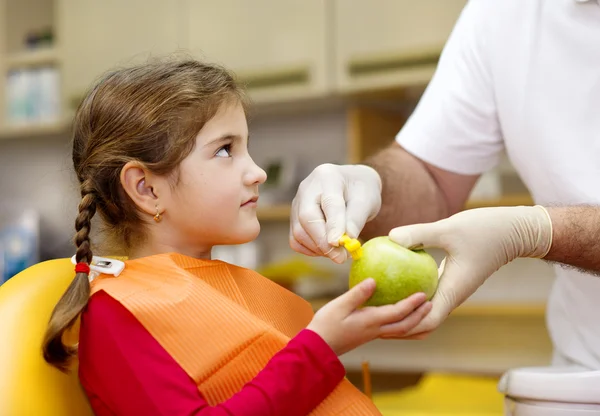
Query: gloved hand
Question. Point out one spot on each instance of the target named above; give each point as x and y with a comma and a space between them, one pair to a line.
477, 242
331, 201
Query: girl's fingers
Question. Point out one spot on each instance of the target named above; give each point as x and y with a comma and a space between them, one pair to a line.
389, 314
402, 327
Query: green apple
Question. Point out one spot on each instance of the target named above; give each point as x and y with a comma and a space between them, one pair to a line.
398, 271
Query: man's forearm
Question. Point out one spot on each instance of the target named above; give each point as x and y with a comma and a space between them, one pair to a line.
575, 237
409, 193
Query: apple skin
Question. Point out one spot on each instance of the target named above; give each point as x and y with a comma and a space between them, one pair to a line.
398, 271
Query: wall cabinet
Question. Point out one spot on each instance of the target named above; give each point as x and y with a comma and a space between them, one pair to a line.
278, 48
283, 50
96, 36
389, 43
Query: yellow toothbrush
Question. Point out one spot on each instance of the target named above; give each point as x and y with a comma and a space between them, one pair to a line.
352, 245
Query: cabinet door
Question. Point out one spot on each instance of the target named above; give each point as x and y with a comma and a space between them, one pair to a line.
388, 43
95, 36
277, 47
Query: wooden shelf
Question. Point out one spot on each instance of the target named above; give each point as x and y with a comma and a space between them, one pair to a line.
32, 58
34, 130
282, 212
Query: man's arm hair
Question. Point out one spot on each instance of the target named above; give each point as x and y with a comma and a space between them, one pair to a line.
575, 237
414, 191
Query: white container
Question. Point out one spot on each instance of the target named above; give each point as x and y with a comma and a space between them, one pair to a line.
19, 240
33, 95
16, 97
49, 85
551, 391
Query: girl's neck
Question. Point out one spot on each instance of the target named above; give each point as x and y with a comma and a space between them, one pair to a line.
154, 249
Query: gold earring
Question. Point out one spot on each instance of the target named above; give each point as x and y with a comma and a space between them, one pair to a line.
157, 217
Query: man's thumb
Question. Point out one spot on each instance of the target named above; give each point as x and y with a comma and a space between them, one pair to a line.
416, 236
357, 295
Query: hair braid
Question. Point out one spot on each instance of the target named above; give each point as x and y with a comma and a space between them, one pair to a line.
76, 297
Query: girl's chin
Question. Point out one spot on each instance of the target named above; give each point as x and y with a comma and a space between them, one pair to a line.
245, 234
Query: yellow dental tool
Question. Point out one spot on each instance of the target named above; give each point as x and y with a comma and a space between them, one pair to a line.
352, 245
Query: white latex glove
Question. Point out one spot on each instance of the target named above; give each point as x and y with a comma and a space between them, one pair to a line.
477, 242
331, 201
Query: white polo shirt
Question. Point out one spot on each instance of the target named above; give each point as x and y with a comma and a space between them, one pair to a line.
524, 76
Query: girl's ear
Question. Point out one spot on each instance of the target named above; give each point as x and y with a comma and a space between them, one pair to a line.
137, 182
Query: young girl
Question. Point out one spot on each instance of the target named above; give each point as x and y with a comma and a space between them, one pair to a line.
161, 153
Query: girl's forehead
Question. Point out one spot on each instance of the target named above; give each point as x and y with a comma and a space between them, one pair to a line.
228, 123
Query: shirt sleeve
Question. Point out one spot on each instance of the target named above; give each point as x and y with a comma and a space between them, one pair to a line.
455, 124
125, 371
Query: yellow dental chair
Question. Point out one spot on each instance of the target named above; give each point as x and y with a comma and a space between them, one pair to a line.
28, 385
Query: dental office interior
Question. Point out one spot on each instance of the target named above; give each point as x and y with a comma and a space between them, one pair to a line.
330, 81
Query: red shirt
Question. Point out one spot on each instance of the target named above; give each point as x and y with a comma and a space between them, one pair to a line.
125, 371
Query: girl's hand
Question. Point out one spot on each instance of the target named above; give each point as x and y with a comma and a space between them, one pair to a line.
345, 326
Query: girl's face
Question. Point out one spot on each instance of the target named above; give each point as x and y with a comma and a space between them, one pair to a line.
214, 200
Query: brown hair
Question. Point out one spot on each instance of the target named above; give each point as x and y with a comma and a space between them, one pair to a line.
149, 113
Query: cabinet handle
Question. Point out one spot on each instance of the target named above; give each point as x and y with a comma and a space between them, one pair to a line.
252, 80
275, 78
392, 62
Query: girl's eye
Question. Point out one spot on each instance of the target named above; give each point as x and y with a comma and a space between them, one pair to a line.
224, 151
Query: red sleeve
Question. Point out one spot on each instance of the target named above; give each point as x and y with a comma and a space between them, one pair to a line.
125, 371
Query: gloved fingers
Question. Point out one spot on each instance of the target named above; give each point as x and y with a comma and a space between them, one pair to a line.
310, 222
444, 299
415, 337
363, 202
337, 254
417, 236
333, 206
302, 213
356, 218
300, 242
